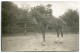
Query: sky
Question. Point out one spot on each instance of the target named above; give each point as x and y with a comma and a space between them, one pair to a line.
58, 7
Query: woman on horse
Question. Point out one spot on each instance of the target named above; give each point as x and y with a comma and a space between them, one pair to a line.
49, 10
48, 15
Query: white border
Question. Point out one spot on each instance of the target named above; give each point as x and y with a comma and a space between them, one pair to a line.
36, 0
39, 0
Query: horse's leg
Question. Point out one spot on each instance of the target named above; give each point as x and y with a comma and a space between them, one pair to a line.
43, 34
57, 30
61, 31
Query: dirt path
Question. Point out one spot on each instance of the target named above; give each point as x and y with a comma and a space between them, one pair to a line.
33, 42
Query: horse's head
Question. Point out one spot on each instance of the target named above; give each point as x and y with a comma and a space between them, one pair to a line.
35, 14
32, 12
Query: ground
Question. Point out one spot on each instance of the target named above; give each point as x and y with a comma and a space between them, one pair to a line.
33, 42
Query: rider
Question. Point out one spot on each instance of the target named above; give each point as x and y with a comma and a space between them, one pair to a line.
49, 10
48, 14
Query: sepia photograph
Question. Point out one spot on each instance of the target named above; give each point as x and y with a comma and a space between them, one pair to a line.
40, 26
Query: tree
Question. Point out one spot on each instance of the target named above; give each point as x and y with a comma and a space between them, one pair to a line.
9, 11
71, 17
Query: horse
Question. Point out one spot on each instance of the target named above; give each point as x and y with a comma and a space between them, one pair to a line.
45, 21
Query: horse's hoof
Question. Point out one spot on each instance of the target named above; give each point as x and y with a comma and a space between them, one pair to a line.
56, 42
61, 42
43, 44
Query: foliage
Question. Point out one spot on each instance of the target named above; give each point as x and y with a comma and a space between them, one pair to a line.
71, 17
9, 11
12, 16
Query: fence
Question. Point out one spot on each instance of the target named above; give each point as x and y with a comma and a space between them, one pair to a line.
24, 27
18, 27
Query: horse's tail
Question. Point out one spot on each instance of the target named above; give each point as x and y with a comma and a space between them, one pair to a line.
64, 23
